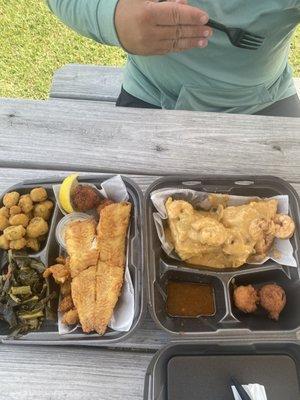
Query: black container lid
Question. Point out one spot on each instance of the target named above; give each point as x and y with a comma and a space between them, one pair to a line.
191, 371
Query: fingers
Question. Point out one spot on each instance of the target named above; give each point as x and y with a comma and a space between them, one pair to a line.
182, 32
168, 46
174, 13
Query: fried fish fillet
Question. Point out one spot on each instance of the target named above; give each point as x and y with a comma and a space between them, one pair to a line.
82, 245
112, 230
83, 289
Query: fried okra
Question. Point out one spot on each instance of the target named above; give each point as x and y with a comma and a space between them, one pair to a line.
43, 209
38, 194
4, 211
26, 203
37, 227
11, 199
3, 222
18, 244
19, 219
15, 210
14, 232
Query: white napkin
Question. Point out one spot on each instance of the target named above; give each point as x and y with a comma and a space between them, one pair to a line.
254, 390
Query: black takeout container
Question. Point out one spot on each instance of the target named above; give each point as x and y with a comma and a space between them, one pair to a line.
228, 320
187, 370
48, 334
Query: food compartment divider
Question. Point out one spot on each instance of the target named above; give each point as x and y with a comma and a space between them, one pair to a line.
48, 334
159, 264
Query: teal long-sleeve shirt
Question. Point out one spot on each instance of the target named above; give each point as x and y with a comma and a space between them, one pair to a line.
220, 77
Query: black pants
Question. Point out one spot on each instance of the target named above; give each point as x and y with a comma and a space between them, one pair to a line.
289, 107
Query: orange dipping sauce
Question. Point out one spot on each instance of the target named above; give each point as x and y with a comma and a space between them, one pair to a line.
190, 300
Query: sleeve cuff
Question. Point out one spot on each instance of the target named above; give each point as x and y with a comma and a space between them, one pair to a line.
106, 21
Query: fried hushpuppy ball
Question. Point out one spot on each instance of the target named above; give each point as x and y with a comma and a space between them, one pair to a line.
19, 219
43, 209
4, 243
273, 299
26, 203
33, 244
11, 199
85, 198
3, 222
38, 194
14, 232
4, 211
70, 317
246, 298
15, 210
18, 244
37, 227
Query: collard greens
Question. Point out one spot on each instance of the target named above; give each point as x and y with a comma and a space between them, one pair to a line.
24, 293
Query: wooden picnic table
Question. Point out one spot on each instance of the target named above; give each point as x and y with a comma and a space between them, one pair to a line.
51, 138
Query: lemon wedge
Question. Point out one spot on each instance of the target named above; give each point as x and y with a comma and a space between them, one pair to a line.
65, 191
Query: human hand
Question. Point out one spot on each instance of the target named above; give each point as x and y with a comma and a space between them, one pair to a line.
151, 28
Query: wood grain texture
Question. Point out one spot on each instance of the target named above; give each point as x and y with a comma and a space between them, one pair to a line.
87, 82
97, 136
40, 373
92, 82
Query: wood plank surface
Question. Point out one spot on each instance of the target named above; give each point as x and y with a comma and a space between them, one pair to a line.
87, 82
40, 373
93, 82
97, 136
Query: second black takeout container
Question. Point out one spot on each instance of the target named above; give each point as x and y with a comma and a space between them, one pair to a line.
187, 370
227, 321
48, 334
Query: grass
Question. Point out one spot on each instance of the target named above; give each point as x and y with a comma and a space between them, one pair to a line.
33, 44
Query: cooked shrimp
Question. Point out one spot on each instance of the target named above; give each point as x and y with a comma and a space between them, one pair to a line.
177, 207
284, 226
208, 231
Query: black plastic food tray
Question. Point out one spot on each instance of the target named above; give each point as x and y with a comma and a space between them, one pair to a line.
192, 371
228, 319
48, 334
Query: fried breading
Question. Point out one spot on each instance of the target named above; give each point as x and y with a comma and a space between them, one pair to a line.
82, 245
70, 317
109, 281
83, 289
65, 288
60, 273
66, 304
112, 230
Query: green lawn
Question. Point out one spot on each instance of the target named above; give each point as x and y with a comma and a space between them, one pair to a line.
33, 44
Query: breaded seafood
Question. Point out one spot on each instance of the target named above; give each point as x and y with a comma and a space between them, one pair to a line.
246, 298
273, 299
82, 245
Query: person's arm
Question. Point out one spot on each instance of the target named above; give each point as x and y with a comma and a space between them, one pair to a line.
91, 18
143, 27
